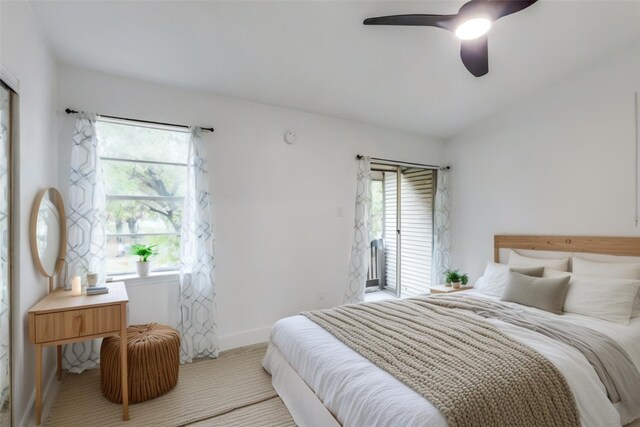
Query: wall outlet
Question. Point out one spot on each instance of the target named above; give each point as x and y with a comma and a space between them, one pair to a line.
340, 211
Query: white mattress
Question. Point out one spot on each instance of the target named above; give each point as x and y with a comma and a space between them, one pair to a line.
358, 393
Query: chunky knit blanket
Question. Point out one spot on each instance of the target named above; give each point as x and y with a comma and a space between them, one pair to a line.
474, 374
609, 360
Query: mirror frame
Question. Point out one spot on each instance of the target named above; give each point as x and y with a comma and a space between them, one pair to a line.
62, 248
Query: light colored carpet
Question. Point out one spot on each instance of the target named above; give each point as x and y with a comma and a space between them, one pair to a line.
232, 390
270, 413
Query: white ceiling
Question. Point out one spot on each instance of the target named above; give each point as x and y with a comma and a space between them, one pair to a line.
317, 56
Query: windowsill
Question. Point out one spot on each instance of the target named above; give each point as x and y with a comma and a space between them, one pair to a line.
154, 277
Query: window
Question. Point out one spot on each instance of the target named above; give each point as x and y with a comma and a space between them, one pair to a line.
145, 171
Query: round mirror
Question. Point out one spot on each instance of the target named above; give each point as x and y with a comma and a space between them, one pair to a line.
48, 233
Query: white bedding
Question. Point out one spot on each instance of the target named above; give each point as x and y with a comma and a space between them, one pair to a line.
358, 393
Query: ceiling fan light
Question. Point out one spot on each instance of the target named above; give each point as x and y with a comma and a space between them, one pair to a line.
473, 28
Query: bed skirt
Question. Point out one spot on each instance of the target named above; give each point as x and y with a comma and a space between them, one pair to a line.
306, 409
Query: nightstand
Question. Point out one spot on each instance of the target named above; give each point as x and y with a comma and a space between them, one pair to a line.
442, 289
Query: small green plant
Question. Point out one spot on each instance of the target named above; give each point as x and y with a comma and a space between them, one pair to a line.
453, 276
143, 252
464, 279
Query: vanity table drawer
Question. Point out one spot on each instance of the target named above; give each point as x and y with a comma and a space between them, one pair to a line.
76, 323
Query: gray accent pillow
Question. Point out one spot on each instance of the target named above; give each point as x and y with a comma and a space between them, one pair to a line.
496, 275
544, 293
528, 271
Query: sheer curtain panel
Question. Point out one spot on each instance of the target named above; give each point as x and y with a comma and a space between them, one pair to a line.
5, 295
441, 239
197, 307
361, 245
86, 227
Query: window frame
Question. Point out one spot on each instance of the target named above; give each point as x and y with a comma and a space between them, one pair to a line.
111, 197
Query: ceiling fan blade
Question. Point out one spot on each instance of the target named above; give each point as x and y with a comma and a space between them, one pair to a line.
501, 8
441, 21
475, 56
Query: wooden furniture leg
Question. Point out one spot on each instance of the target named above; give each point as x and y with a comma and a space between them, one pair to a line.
59, 349
38, 383
123, 363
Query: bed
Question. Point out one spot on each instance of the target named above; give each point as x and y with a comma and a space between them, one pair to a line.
323, 382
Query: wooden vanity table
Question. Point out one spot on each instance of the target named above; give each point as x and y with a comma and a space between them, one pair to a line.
60, 318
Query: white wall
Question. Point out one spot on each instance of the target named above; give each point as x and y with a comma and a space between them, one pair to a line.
560, 162
280, 245
26, 56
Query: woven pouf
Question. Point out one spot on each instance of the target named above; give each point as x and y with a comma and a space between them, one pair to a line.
153, 359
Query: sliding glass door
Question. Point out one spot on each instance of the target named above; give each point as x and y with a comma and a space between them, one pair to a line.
402, 224
5, 252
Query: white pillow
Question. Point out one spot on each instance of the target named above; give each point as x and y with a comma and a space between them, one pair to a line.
495, 277
616, 270
517, 260
604, 298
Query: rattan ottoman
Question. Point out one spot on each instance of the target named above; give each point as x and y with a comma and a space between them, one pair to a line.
153, 358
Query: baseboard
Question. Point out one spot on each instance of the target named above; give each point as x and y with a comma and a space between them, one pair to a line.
49, 394
254, 336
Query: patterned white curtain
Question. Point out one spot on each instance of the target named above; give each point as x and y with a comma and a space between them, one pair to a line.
361, 246
441, 228
197, 324
86, 227
4, 250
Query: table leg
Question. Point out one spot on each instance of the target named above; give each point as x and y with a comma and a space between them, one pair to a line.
38, 383
123, 363
59, 349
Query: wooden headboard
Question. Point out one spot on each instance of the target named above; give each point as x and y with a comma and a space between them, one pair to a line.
621, 246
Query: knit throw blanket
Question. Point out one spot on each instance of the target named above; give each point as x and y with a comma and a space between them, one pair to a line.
473, 373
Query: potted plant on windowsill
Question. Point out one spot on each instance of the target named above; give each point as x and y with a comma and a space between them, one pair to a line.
143, 252
455, 278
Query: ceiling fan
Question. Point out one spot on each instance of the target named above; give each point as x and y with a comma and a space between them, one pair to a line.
471, 25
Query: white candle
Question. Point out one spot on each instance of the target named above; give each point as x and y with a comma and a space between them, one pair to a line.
76, 286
